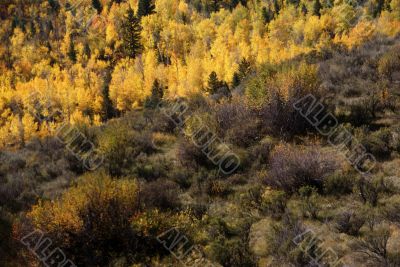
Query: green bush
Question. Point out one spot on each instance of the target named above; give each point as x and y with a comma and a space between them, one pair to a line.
372, 189
274, 202
280, 242
339, 184
378, 143
391, 209
310, 202
349, 222
120, 145
389, 62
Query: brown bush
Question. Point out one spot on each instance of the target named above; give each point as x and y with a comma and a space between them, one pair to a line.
237, 122
160, 194
292, 168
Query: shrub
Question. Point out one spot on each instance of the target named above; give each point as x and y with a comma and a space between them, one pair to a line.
252, 198
280, 242
151, 167
232, 252
359, 114
378, 143
391, 210
91, 221
260, 153
374, 246
371, 189
349, 223
7, 248
181, 176
161, 139
191, 155
389, 62
200, 129
237, 122
218, 188
292, 168
309, 202
120, 145
280, 118
274, 202
339, 183
160, 194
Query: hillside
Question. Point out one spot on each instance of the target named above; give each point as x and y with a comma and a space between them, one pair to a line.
199, 133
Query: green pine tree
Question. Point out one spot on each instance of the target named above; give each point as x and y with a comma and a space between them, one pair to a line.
157, 94
235, 80
145, 8
131, 30
213, 83
244, 69
317, 8
304, 10
97, 5
86, 50
266, 14
379, 8
71, 51
276, 7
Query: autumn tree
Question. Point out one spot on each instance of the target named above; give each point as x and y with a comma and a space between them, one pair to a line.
131, 30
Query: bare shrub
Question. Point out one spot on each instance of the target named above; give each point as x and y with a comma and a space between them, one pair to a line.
237, 122
292, 168
373, 246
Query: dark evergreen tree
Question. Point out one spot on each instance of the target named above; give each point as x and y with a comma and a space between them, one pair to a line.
214, 6
108, 110
86, 50
131, 40
145, 8
379, 8
235, 80
267, 16
71, 51
293, 2
244, 69
54, 5
276, 7
304, 10
97, 5
317, 8
157, 94
213, 83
